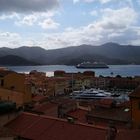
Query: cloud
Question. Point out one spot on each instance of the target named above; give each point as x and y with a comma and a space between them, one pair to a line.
31, 19
119, 25
8, 39
114, 25
135, 42
75, 1
93, 13
14, 40
89, 1
9, 16
27, 20
49, 24
8, 35
106, 1
24, 6
118, 19
29, 12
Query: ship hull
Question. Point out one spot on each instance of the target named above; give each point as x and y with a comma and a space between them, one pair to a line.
92, 67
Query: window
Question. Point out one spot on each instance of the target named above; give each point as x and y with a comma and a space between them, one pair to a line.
139, 105
2, 82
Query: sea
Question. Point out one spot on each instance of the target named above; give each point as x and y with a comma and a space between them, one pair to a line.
113, 70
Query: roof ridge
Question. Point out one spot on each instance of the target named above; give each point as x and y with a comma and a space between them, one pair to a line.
64, 120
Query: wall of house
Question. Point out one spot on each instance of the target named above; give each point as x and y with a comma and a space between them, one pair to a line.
135, 108
16, 82
9, 95
106, 122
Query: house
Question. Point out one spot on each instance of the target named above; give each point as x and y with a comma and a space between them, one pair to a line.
100, 82
123, 82
3, 73
39, 127
14, 88
29, 126
135, 107
106, 111
120, 117
77, 80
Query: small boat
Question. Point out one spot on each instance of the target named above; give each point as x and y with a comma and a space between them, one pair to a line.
115, 95
92, 65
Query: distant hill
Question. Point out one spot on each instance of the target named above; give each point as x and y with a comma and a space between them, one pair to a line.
24, 52
12, 60
110, 53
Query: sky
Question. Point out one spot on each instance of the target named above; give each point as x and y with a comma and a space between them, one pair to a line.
55, 24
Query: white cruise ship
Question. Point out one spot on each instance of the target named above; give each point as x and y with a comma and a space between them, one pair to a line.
92, 65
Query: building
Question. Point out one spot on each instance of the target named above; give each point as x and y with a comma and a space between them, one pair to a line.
37, 81
78, 80
135, 107
119, 117
100, 82
37, 127
56, 86
59, 73
15, 88
66, 106
123, 82
3, 73
40, 127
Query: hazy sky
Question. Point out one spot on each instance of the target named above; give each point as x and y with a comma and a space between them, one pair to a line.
60, 23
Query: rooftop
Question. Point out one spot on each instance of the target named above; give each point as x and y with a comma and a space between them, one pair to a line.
135, 93
48, 108
37, 127
79, 115
116, 114
4, 72
38, 98
128, 135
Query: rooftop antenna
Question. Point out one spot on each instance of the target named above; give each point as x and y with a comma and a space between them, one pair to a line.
72, 82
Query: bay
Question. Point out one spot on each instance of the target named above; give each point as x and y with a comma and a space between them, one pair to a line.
113, 70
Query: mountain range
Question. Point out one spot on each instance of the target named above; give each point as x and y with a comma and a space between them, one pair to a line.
13, 60
110, 53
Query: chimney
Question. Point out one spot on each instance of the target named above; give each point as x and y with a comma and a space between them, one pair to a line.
111, 131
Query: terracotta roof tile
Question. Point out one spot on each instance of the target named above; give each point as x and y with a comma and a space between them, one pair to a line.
38, 98
79, 114
5, 72
116, 114
37, 127
135, 93
128, 135
47, 108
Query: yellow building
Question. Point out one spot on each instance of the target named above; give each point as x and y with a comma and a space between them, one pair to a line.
57, 86
9, 95
13, 84
3, 73
135, 107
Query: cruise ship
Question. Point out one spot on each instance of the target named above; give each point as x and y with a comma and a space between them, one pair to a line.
92, 65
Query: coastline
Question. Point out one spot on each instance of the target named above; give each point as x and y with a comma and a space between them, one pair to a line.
123, 70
